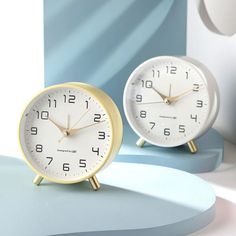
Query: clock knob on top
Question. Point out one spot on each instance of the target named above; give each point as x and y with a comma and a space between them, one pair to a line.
69, 132
170, 101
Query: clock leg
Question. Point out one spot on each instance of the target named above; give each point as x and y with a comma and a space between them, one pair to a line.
140, 142
37, 180
94, 182
192, 146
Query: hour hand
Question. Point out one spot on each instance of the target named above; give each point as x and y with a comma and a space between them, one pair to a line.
160, 94
62, 129
180, 96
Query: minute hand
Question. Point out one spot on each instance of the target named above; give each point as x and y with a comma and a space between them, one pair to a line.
72, 131
179, 96
160, 94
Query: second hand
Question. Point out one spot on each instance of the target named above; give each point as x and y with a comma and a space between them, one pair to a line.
143, 103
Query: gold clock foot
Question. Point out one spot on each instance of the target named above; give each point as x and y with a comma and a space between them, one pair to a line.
140, 142
37, 180
94, 182
192, 146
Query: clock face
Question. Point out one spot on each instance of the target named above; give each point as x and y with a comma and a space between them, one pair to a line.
66, 134
166, 101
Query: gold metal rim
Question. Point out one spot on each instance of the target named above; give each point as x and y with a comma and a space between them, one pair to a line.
114, 119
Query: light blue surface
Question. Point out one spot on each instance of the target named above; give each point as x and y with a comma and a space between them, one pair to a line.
101, 42
209, 156
134, 200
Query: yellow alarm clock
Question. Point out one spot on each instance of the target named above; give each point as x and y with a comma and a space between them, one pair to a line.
69, 132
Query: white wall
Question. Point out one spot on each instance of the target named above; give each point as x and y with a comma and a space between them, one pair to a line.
21, 65
219, 54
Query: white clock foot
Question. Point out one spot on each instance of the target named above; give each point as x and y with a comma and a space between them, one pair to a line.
94, 182
140, 142
37, 180
192, 147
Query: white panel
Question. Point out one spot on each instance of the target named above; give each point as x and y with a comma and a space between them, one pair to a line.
21, 58
218, 53
219, 15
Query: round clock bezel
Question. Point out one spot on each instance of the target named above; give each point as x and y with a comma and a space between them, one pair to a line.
115, 124
143, 66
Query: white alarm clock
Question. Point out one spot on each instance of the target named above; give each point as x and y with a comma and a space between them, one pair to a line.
69, 132
170, 101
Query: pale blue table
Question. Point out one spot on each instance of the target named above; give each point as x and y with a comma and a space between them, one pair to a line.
134, 199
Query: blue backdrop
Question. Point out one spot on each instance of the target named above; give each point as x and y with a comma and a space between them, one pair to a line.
101, 41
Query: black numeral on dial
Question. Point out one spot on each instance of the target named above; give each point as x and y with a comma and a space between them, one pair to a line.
171, 69
139, 98
146, 83
42, 115
101, 135
193, 117
167, 131
152, 124
181, 128
97, 117
69, 98
196, 87
39, 148
143, 114
52, 103
87, 104
186, 73
199, 103
50, 160
33, 131
155, 72
66, 167
96, 150
82, 163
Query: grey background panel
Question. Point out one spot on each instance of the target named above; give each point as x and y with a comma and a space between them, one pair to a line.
101, 42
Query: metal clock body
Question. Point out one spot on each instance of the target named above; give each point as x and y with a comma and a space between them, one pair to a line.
169, 101
69, 132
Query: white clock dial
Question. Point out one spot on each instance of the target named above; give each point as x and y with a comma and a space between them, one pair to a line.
167, 101
66, 134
